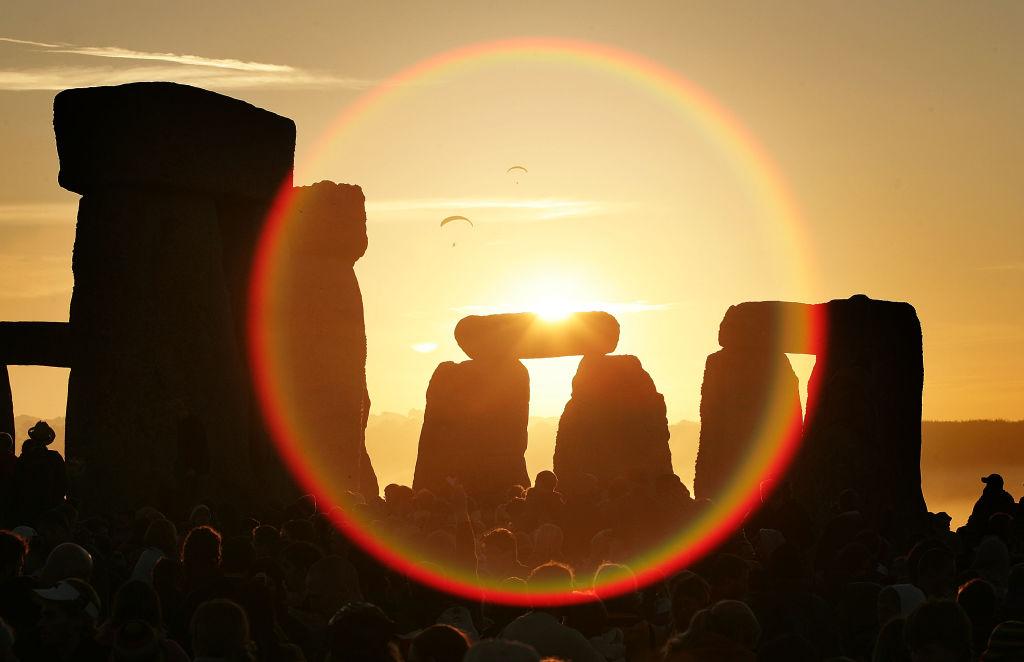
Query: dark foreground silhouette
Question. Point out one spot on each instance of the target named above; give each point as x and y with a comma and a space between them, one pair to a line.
213, 583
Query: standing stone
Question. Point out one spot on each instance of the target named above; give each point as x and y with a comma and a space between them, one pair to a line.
6, 403
749, 401
317, 323
474, 428
863, 429
614, 424
159, 396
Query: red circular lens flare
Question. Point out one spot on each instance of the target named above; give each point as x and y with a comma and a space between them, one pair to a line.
771, 452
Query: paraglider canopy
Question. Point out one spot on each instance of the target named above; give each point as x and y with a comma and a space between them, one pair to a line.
517, 167
449, 219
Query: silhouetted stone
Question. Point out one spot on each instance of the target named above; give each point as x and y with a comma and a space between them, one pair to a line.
317, 323
35, 343
6, 403
749, 399
776, 326
474, 428
529, 336
170, 136
172, 177
615, 423
863, 429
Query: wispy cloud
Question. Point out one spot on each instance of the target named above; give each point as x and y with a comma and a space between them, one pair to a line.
223, 73
38, 212
1012, 266
484, 209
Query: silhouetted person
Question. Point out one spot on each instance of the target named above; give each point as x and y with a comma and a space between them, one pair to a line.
544, 503
220, 630
361, 632
994, 499
939, 630
438, 643
725, 632
499, 556
40, 479
68, 616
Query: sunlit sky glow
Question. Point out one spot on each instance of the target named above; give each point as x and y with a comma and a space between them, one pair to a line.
896, 128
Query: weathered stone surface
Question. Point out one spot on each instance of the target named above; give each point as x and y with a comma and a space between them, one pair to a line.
863, 424
474, 428
317, 322
778, 326
749, 400
615, 423
529, 336
176, 182
154, 344
863, 429
35, 343
170, 136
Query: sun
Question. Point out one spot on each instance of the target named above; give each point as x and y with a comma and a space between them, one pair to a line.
554, 309
553, 296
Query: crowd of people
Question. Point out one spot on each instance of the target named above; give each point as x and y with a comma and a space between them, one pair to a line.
212, 583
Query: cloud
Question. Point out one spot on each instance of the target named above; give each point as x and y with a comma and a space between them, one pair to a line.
37, 213
485, 209
223, 73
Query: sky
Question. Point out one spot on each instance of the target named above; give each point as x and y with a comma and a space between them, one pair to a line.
895, 129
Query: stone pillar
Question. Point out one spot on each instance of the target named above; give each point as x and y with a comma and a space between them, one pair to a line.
474, 428
6, 403
158, 397
863, 429
317, 323
614, 424
749, 399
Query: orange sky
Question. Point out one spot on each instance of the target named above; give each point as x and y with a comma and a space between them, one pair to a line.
896, 128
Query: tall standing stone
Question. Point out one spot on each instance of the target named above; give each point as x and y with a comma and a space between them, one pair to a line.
158, 397
863, 429
749, 399
474, 428
318, 325
614, 424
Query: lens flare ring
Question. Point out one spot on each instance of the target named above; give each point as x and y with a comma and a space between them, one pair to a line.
777, 439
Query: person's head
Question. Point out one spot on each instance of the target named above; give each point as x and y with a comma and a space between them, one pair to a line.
66, 560
729, 577
498, 650
891, 646
13, 550
219, 628
938, 631
978, 600
136, 601
936, 573
499, 547
550, 576
690, 594
202, 550
163, 535
42, 433
730, 619
897, 601
360, 631
1006, 643
547, 542
993, 482
266, 540
546, 481
68, 614
629, 601
331, 583
6, 444
298, 530
237, 556
137, 641
438, 643
296, 560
